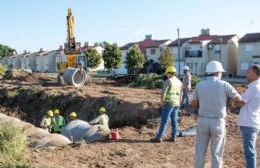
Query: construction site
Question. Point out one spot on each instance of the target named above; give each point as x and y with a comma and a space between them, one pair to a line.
134, 111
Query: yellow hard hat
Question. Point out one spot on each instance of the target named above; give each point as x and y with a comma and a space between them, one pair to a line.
73, 115
170, 69
102, 110
56, 112
50, 113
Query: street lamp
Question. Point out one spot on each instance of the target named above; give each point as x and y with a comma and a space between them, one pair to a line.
179, 57
220, 53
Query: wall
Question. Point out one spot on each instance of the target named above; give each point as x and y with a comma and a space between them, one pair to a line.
245, 57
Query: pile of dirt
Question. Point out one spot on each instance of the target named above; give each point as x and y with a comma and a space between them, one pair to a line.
26, 76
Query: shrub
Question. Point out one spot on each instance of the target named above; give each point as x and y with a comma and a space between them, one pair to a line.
13, 146
195, 80
151, 80
3, 69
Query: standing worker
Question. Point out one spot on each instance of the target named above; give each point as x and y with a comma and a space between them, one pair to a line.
249, 116
170, 99
186, 84
57, 121
46, 121
211, 97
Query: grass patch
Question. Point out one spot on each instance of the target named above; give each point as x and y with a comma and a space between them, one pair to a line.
13, 147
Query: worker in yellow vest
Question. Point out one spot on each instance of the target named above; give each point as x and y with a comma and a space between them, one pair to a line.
170, 99
58, 122
46, 121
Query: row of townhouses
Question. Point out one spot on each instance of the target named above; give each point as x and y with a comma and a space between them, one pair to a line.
235, 54
45, 61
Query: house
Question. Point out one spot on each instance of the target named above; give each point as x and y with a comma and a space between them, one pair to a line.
224, 48
248, 52
179, 62
197, 51
150, 48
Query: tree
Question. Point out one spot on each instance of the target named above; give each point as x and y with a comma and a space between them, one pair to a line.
111, 56
5, 50
93, 57
135, 58
166, 59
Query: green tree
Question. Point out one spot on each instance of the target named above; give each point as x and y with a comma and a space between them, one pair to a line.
93, 57
166, 59
5, 50
135, 58
111, 56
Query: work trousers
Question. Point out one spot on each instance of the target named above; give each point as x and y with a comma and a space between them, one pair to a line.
249, 136
214, 130
169, 111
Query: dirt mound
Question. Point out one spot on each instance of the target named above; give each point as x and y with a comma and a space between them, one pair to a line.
26, 76
37, 137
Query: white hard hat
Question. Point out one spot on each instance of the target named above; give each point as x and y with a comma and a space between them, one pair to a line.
214, 66
186, 68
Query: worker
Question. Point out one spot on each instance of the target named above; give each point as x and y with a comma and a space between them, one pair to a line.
46, 121
170, 99
249, 116
211, 97
57, 121
186, 84
102, 120
72, 116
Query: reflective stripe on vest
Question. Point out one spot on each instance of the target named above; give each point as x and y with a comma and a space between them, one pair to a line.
57, 126
173, 93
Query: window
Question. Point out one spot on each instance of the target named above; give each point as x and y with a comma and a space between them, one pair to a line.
152, 51
193, 53
196, 68
217, 49
249, 47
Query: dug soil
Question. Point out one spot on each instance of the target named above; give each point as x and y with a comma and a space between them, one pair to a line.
134, 111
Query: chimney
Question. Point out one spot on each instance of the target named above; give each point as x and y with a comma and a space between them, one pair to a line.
148, 37
86, 44
61, 47
205, 31
41, 50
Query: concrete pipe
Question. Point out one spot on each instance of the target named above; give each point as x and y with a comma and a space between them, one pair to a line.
73, 76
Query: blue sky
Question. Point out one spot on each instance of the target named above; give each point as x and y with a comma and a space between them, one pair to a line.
32, 24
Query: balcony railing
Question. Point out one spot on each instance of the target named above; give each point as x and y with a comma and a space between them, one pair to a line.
193, 53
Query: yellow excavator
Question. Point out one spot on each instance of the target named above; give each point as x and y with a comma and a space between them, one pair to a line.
72, 70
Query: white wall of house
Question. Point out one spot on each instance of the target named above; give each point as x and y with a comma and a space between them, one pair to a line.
248, 54
122, 70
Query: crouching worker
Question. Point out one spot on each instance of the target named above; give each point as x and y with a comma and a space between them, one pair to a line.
58, 122
46, 121
101, 121
72, 116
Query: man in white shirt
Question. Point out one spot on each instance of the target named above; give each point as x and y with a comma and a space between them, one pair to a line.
249, 117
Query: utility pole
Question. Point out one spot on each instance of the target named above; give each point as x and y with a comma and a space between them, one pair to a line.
220, 52
179, 54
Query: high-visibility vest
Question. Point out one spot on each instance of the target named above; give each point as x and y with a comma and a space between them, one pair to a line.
58, 126
174, 92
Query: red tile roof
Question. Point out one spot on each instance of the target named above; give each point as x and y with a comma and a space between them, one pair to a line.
182, 40
148, 43
250, 37
225, 39
203, 38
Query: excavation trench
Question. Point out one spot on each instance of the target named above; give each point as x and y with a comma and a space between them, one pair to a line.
31, 106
